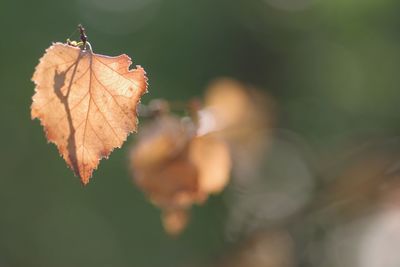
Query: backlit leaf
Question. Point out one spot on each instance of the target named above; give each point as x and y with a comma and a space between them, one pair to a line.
86, 103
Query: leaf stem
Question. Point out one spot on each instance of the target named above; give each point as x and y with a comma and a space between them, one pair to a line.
83, 35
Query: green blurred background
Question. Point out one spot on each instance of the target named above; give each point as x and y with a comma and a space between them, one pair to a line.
331, 65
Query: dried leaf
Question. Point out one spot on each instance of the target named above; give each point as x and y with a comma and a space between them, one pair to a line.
177, 169
158, 142
173, 185
161, 165
210, 154
86, 103
244, 117
239, 112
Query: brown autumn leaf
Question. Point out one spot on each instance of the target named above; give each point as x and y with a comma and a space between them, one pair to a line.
240, 112
211, 155
159, 141
244, 117
176, 169
86, 103
161, 166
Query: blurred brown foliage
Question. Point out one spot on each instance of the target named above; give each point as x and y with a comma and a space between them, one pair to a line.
278, 215
178, 162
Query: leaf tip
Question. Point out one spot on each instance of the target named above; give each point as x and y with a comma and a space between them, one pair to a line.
84, 179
